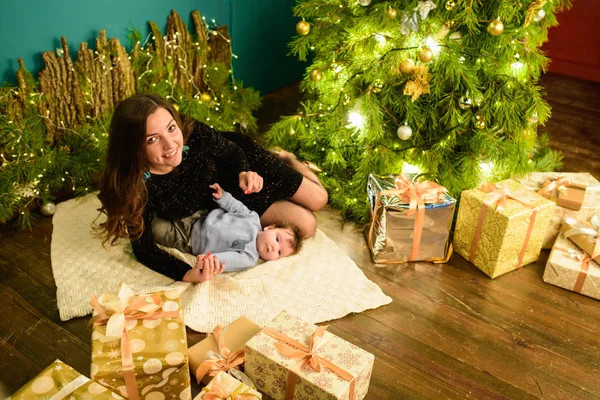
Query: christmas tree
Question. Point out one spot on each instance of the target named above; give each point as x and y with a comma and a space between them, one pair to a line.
447, 89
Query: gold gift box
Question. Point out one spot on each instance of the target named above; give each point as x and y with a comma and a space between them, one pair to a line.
237, 334
390, 234
61, 381
567, 268
504, 231
228, 387
585, 188
159, 350
270, 370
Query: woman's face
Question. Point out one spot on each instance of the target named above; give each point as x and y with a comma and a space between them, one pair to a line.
164, 142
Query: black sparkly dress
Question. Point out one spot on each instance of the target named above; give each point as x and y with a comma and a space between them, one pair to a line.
211, 157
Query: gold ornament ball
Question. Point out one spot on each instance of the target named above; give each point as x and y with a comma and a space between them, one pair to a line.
407, 66
392, 13
316, 75
205, 97
495, 28
450, 5
479, 122
303, 28
377, 86
48, 208
364, 3
425, 54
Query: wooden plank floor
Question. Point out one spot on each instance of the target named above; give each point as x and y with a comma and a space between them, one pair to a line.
450, 332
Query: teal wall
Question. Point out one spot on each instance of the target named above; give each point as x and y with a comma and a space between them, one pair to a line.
260, 31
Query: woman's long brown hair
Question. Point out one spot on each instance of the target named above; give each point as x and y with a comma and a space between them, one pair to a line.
123, 191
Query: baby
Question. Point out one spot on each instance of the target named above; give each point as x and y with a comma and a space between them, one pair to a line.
229, 238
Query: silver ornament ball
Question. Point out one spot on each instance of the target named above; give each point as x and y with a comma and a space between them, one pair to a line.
364, 3
464, 103
404, 132
48, 208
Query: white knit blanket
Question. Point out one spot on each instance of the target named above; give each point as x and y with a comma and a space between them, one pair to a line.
320, 283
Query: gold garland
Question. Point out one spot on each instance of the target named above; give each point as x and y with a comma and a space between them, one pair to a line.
532, 10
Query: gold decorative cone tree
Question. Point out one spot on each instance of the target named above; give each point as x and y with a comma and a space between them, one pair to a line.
444, 88
53, 132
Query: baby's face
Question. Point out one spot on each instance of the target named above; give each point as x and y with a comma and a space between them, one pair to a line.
273, 243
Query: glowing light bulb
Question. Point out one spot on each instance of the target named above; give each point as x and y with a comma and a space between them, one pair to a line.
487, 169
433, 45
380, 39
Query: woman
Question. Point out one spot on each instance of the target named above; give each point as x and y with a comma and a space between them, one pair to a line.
159, 165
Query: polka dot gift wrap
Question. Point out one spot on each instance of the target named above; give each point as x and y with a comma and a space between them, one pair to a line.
60, 381
156, 348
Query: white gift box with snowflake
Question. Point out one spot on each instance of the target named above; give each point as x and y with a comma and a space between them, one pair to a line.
139, 345
290, 358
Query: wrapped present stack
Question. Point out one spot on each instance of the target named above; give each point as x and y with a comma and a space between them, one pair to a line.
61, 381
501, 227
139, 344
576, 194
292, 358
223, 351
573, 262
410, 220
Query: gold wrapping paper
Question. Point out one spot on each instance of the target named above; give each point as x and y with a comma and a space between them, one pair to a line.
224, 385
590, 201
60, 381
504, 231
390, 237
159, 349
566, 268
269, 369
237, 334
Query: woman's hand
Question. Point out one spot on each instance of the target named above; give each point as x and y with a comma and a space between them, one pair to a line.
207, 266
250, 182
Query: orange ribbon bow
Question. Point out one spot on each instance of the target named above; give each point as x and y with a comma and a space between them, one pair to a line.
498, 195
225, 360
306, 355
416, 194
114, 311
551, 188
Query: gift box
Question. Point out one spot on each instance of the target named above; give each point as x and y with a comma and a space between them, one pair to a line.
223, 350
576, 194
226, 387
501, 227
60, 381
410, 221
290, 358
139, 344
571, 268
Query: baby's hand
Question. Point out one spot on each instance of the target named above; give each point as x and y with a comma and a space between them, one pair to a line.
218, 191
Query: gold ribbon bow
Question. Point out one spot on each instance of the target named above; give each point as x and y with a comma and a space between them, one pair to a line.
217, 392
585, 260
114, 311
416, 194
225, 360
498, 195
306, 355
592, 231
551, 188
